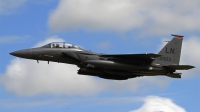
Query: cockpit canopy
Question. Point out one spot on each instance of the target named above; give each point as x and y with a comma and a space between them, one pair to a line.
60, 45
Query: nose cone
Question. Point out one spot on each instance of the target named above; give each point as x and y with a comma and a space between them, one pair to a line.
23, 53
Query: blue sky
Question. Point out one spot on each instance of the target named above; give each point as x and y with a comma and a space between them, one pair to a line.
112, 26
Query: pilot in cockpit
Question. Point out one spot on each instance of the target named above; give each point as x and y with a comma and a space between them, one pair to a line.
60, 45
53, 46
57, 45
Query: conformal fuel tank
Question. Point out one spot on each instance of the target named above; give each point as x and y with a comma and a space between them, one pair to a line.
114, 65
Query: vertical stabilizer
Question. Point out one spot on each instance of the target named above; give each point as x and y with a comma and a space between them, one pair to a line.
171, 52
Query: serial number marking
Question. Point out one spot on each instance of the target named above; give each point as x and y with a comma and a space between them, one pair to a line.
164, 58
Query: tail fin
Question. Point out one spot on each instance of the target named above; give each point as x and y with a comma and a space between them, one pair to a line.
171, 52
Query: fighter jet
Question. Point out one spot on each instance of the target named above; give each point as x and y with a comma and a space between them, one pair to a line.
112, 66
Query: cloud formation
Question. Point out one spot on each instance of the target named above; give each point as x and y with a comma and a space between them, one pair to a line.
190, 54
27, 77
159, 104
9, 6
152, 17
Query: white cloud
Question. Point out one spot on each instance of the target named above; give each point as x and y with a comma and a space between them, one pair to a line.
9, 6
26, 77
190, 56
155, 16
159, 104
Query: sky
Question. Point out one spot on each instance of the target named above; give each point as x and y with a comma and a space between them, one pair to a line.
104, 26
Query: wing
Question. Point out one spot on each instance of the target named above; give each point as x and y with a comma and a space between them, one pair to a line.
148, 56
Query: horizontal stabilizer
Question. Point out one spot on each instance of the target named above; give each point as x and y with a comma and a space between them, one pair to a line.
179, 67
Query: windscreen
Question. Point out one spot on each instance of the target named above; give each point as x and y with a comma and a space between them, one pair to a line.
60, 45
